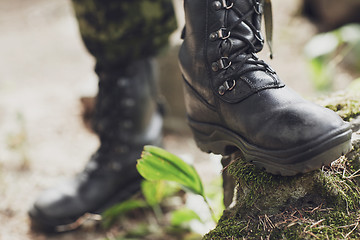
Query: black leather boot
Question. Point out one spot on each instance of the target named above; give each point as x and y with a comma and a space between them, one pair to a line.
126, 118
237, 102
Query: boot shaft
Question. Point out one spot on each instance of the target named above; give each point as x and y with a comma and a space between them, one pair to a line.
216, 31
126, 102
216, 19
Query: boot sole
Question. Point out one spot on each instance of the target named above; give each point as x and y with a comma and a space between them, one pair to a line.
302, 159
40, 222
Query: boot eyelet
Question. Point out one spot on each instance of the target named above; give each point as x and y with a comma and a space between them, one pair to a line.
216, 5
213, 36
122, 82
215, 66
228, 85
223, 33
224, 63
222, 90
257, 8
231, 85
115, 166
259, 37
128, 102
226, 5
122, 149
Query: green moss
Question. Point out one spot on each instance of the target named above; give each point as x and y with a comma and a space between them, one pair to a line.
320, 205
318, 215
323, 204
255, 184
347, 105
295, 224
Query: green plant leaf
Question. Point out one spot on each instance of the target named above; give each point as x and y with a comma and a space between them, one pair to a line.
182, 216
113, 213
153, 191
158, 164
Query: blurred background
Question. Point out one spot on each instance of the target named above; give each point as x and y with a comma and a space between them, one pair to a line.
47, 83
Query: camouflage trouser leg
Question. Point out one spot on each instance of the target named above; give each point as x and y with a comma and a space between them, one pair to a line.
117, 32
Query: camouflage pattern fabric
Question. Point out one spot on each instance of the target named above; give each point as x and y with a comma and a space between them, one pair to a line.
117, 32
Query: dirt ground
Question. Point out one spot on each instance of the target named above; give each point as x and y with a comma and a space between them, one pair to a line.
44, 70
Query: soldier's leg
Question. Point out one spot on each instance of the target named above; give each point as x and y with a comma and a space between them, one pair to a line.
117, 33
123, 36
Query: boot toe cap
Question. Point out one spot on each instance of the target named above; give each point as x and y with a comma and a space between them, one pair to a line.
54, 207
297, 125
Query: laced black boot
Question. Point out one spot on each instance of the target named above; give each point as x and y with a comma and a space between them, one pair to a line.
127, 117
237, 102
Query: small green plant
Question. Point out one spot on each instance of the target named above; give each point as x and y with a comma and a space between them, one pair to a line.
112, 214
165, 175
183, 215
157, 164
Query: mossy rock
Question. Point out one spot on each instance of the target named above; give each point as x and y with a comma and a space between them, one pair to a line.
323, 204
346, 104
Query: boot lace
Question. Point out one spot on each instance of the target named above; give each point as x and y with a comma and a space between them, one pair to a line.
233, 61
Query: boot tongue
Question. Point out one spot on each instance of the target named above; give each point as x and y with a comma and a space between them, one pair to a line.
233, 46
249, 28
244, 32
